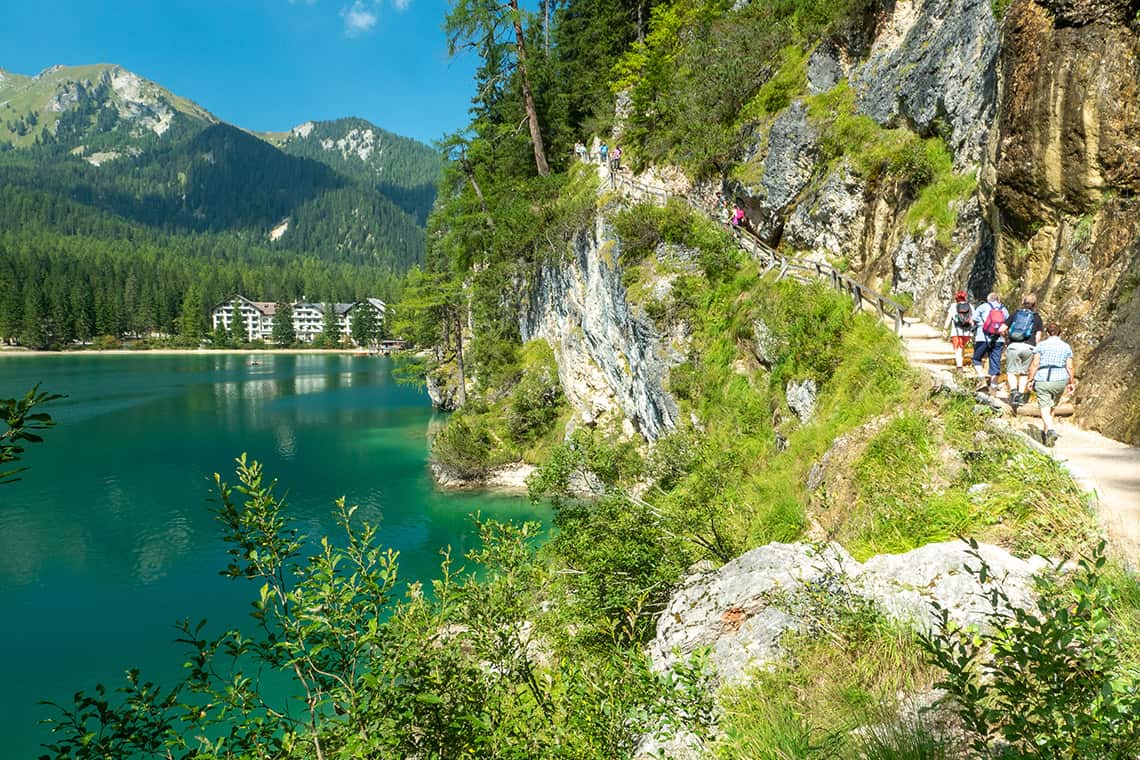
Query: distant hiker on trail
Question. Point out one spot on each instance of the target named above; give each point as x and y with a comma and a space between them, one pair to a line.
580, 150
1050, 377
1025, 328
990, 320
617, 157
959, 326
604, 154
737, 216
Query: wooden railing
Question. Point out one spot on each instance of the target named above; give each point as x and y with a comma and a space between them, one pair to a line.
800, 269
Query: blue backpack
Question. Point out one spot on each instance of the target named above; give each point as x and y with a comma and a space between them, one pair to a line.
1021, 326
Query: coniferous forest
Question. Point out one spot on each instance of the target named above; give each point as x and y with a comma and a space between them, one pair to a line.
109, 229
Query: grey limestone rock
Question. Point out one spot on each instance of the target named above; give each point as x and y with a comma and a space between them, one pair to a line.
741, 611
830, 218
788, 165
801, 395
824, 69
935, 61
612, 362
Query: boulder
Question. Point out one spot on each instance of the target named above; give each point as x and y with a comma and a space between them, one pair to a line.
742, 611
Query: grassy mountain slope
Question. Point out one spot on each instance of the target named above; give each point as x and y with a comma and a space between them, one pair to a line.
104, 137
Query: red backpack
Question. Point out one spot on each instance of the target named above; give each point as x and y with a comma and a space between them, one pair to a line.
995, 321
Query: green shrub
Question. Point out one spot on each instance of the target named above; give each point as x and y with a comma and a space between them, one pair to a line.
1048, 681
465, 444
537, 401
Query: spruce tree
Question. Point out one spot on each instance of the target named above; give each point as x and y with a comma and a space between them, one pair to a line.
238, 331
365, 327
330, 328
283, 333
193, 320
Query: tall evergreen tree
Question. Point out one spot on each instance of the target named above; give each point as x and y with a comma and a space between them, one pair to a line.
283, 333
494, 28
239, 331
330, 328
193, 319
33, 333
365, 326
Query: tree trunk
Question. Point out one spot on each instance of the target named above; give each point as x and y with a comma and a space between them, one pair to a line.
546, 25
528, 98
469, 170
459, 358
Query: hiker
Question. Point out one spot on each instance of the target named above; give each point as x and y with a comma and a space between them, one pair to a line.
617, 158
737, 216
959, 326
990, 320
604, 154
1025, 328
580, 150
725, 212
1051, 377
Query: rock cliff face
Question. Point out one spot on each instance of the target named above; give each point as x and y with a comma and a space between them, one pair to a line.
1043, 108
611, 361
1068, 175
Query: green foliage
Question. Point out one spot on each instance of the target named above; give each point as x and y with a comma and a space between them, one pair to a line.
960, 479
1047, 681
21, 421
704, 71
463, 672
789, 81
536, 402
644, 226
466, 445
283, 333
923, 166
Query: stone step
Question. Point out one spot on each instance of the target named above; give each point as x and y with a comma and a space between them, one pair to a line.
939, 359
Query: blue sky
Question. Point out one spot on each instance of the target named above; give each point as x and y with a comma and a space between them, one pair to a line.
265, 65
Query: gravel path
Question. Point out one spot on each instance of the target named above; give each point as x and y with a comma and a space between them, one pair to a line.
1108, 468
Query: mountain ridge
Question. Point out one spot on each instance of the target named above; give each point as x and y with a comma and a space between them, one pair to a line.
103, 136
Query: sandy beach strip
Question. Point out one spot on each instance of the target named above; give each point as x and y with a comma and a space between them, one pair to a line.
179, 351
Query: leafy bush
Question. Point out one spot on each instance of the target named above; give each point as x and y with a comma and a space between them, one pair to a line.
537, 400
1045, 682
465, 444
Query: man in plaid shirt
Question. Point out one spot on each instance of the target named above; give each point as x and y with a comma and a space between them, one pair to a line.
1050, 377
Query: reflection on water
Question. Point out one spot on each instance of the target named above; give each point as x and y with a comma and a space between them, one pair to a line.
110, 539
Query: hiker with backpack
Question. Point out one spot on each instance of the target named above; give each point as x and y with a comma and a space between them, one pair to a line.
1025, 328
990, 320
1051, 377
959, 326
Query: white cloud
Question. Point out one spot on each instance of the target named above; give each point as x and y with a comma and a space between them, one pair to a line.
401, 5
358, 19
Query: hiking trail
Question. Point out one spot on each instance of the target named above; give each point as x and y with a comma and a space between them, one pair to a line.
1109, 470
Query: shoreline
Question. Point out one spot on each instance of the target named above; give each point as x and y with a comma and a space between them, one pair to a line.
179, 351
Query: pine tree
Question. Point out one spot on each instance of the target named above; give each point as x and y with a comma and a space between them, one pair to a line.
193, 320
330, 328
365, 326
283, 333
238, 330
33, 333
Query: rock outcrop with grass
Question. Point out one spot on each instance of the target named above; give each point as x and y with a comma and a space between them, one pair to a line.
960, 149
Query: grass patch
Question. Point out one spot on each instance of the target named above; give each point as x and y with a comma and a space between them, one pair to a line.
849, 673
787, 83
876, 154
934, 473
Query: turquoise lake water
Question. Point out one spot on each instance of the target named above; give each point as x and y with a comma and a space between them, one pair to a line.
109, 540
